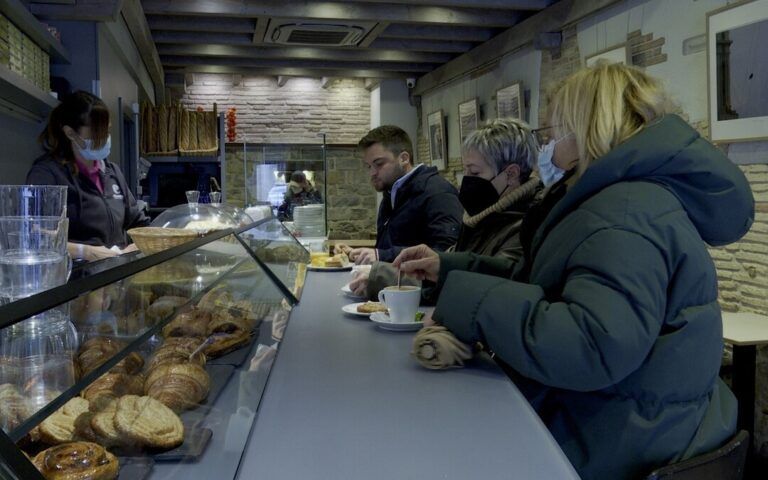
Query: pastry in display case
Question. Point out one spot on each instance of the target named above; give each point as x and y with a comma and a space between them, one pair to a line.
150, 366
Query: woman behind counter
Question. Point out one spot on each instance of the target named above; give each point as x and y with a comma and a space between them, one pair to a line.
100, 207
612, 330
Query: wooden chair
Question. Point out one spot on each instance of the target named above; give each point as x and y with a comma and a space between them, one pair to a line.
725, 463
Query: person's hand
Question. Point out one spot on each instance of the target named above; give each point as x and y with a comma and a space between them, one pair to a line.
427, 320
363, 256
421, 261
130, 248
341, 248
93, 253
359, 284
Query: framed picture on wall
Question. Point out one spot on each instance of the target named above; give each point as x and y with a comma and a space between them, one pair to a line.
614, 54
736, 67
509, 102
437, 143
469, 113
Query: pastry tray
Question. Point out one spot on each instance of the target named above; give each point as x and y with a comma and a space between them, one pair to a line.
135, 468
237, 357
195, 441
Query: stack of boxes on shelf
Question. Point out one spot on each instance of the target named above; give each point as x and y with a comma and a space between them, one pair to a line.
21, 55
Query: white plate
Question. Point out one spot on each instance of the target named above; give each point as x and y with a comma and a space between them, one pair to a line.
348, 292
352, 309
383, 321
329, 269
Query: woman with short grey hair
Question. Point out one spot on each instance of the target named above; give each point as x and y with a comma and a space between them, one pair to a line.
496, 191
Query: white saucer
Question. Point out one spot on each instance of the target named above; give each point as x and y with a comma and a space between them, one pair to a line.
383, 321
352, 309
348, 292
329, 269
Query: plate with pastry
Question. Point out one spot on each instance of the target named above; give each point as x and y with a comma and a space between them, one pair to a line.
349, 293
327, 263
383, 321
363, 309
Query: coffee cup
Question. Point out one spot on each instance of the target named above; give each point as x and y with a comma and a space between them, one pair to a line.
402, 302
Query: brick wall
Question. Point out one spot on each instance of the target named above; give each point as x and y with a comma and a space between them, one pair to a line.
286, 121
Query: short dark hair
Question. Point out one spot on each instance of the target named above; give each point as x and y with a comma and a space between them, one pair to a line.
75, 110
391, 138
298, 177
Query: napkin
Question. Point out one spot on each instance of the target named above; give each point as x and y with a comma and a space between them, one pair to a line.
437, 348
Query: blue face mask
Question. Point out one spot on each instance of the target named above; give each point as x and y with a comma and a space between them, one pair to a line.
95, 155
548, 171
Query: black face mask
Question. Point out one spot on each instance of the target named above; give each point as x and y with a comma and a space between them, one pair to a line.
476, 194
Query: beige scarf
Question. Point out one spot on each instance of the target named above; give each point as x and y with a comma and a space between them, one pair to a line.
437, 348
519, 194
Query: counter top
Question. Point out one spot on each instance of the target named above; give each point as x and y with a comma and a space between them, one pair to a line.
346, 400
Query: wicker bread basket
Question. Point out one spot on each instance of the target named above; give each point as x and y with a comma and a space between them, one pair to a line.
156, 239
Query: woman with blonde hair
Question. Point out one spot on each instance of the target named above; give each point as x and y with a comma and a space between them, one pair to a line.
610, 326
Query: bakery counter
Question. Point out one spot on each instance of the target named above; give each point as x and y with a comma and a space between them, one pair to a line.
345, 400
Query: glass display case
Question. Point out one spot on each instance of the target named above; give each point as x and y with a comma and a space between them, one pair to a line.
154, 368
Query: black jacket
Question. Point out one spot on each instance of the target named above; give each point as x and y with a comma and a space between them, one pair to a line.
94, 218
427, 210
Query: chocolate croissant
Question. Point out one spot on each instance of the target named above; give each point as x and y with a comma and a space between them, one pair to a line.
178, 386
192, 323
225, 322
76, 461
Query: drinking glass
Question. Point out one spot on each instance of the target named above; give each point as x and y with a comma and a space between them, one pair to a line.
33, 201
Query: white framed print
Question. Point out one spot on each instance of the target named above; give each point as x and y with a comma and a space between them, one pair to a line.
437, 143
614, 54
469, 113
738, 104
509, 102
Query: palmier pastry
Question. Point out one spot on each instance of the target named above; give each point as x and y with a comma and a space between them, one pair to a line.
59, 427
149, 422
178, 350
223, 343
13, 407
77, 461
113, 385
193, 323
102, 424
178, 386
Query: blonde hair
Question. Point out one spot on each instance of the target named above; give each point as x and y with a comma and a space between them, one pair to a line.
604, 105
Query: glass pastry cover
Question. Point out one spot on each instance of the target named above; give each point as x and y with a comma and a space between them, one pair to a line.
241, 217
203, 218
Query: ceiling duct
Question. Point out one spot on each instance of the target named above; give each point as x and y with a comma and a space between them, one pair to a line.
289, 32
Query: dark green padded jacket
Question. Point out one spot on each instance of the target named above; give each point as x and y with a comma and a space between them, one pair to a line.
616, 335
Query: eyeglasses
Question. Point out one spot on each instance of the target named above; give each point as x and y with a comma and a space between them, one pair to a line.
544, 134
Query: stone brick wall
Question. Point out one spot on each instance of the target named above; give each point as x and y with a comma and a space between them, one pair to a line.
281, 124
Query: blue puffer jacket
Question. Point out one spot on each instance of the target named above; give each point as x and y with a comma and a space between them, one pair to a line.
616, 335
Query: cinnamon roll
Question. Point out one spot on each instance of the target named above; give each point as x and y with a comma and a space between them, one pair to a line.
77, 461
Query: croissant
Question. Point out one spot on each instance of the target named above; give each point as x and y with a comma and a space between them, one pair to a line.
98, 350
113, 385
77, 461
193, 323
178, 386
178, 350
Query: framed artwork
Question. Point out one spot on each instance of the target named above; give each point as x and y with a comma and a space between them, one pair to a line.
509, 102
469, 113
614, 54
738, 105
437, 144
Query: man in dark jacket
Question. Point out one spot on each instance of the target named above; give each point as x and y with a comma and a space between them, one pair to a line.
419, 206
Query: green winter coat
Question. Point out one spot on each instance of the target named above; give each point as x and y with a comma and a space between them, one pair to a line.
616, 335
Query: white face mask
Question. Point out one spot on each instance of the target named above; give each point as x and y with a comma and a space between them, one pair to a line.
88, 153
548, 171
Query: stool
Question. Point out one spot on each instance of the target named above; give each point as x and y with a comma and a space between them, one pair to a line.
725, 463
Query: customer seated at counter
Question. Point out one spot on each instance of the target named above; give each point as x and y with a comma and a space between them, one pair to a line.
419, 206
100, 207
300, 192
496, 192
610, 326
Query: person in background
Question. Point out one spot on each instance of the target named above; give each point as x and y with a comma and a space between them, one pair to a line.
613, 330
419, 206
300, 192
100, 207
496, 192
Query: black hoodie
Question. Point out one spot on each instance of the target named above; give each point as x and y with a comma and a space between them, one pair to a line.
427, 210
95, 218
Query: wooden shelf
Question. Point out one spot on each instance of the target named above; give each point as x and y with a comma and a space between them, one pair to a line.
23, 96
31, 26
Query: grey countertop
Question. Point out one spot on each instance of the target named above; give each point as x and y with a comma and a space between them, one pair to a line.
346, 400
